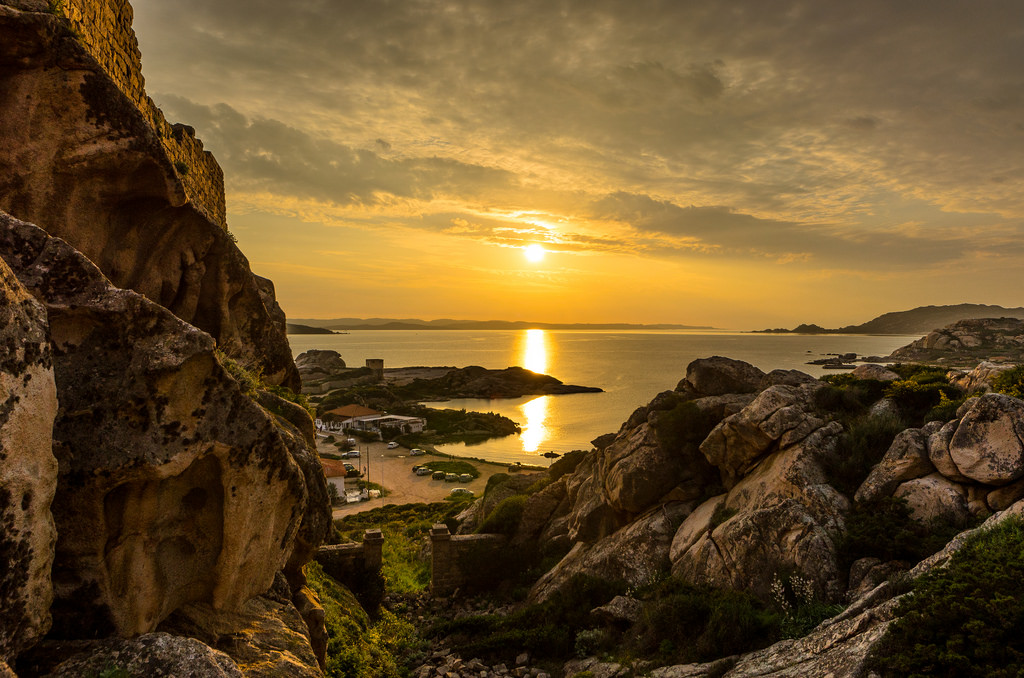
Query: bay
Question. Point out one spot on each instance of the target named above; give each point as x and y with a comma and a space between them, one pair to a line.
631, 366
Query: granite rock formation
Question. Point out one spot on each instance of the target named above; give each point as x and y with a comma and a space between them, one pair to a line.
90, 167
28, 470
967, 343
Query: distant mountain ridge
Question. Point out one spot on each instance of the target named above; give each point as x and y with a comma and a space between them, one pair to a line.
450, 324
920, 320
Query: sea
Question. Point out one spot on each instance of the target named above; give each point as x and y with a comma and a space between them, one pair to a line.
631, 366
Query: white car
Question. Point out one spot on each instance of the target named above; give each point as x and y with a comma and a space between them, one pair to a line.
392, 445
415, 452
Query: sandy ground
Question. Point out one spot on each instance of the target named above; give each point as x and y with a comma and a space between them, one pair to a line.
392, 469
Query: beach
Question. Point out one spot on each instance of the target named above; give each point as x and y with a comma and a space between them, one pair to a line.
392, 469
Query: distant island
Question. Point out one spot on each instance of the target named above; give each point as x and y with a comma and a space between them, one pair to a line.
345, 324
920, 320
307, 329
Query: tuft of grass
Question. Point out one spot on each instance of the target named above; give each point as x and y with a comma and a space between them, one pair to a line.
505, 517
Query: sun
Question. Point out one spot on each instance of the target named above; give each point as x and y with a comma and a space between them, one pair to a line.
534, 252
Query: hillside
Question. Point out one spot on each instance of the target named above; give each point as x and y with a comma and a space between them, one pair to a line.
920, 320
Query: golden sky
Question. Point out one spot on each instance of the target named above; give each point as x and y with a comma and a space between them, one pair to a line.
741, 164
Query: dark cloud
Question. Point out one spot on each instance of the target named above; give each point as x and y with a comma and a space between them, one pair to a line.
853, 135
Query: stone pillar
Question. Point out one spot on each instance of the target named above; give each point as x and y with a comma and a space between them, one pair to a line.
373, 546
377, 365
443, 577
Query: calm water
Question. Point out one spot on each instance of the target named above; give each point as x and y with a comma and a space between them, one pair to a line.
632, 367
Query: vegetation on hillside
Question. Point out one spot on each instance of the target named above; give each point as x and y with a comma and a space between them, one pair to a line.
964, 619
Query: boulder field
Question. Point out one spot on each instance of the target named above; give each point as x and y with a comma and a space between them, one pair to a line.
725, 481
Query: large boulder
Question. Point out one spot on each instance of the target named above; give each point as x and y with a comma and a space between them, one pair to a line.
317, 364
906, 459
151, 654
979, 379
779, 417
873, 371
781, 517
81, 159
636, 554
28, 469
718, 376
175, 486
988, 445
934, 497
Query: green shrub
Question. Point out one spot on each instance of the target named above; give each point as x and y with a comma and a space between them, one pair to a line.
547, 630
683, 623
505, 517
885, 529
964, 619
915, 399
357, 648
862, 445
1010, 382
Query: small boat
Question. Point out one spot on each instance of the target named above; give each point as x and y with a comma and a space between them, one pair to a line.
551, 455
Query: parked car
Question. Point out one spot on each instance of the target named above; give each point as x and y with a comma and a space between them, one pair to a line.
351, 454
438, 475
465, 478
352, 441
416, 452
461, 490
351, 471
392, 445
424, 471
451, 477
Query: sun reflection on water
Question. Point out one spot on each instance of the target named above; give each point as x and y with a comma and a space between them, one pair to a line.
534, 357
536, 431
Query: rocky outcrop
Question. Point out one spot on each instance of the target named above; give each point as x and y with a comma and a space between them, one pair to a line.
317, 364
780, 416
968, 343
873, 371
988, 445
78, 157
720, 376
175, 487
906, 459
637, 554
151, 654
28, 469
980, 379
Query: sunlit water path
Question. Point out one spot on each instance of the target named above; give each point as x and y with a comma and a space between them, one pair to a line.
632, 367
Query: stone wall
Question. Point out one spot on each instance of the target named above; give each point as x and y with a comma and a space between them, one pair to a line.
104, 27
462, 561
351, 563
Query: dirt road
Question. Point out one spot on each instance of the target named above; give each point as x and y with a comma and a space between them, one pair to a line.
392, 470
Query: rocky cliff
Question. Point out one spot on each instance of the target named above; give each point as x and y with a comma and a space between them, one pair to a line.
157, 511
81, 159
967, 343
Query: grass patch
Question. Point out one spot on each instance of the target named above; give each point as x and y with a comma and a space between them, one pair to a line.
505, 517
964, 619
454, 466
357, 647
406, 529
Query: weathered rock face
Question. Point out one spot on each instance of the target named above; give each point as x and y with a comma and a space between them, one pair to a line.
906, 459
151, 654
718, 376
978, 380
80, 159
934, 497
636, 554
968, 342
779, 417
988, 445
780, 517
872, 371
318, 364
265, 638
28, 470
174, 486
